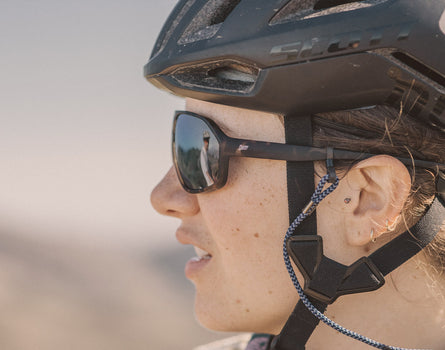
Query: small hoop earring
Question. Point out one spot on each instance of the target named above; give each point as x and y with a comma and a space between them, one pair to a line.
373, 239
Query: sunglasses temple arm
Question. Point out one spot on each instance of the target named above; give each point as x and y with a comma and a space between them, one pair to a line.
279, 151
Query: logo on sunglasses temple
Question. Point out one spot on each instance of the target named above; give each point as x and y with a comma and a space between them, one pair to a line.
243, 147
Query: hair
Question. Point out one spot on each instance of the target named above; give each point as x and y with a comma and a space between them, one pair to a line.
384, 130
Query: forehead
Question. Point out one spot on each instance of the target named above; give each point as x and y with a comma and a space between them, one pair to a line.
241, 123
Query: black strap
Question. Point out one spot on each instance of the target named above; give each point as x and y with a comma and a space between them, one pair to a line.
301, 323
409, 243
300, 186
298, 328
300, 175
326, 279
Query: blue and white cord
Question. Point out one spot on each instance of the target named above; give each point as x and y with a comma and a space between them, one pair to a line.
316, 198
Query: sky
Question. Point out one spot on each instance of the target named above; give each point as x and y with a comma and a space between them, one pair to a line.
83, 137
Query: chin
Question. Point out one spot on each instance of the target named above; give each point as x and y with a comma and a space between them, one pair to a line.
215, 316
222, 317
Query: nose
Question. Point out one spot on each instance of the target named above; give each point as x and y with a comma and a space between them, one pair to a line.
169, 198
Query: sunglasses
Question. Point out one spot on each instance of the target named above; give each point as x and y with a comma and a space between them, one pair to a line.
201, 153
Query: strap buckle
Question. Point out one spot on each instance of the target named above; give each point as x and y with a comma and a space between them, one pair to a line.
326, 279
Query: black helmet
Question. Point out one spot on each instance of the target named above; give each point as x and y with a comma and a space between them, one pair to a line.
301, 57
330, 54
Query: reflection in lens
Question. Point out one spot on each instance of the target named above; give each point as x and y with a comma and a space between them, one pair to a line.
204, 159
197, 152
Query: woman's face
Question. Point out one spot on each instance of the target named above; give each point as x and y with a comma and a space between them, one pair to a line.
243, 285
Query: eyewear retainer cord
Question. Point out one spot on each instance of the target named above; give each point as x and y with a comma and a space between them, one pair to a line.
316, 198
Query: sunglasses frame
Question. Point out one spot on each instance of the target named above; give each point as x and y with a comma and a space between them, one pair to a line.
234, 147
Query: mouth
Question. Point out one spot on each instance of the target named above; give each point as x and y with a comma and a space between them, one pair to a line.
198, 262
196, 265
201, 254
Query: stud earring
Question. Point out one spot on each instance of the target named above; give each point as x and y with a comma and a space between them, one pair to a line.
347, 200
373, 239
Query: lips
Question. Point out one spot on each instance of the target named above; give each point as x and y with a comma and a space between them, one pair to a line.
195, 266
202, 258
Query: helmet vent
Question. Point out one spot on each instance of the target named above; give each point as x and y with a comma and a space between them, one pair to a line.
233, 73
419, 67
208, 20
171, 24
228, 76
296, 10
412, 90
293, 10
327, 4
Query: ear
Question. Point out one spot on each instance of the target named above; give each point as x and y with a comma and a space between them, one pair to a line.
378, 188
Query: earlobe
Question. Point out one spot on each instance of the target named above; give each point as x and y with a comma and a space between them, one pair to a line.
381, 186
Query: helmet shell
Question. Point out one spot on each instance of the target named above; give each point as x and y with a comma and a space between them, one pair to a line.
327, 55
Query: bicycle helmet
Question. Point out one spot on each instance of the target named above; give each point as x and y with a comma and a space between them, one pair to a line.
298, 57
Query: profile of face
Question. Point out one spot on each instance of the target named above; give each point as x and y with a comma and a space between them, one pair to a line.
244, 285
238, 230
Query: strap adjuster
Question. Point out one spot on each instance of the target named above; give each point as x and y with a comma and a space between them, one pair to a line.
326, 279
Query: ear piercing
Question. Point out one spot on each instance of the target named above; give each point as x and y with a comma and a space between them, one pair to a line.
347, 200
373, 239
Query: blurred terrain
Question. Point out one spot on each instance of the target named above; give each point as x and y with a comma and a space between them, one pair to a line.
59, 295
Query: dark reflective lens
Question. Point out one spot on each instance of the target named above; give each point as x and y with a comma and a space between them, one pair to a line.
195, 152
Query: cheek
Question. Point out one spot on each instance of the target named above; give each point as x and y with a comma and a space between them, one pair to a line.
252, 205
247, 220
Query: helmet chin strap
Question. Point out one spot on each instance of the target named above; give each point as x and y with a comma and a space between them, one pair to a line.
300, 185
326, 279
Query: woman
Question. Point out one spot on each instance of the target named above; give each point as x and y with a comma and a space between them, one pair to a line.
329, 116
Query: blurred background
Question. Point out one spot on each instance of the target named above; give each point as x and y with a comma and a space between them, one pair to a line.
85, 262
